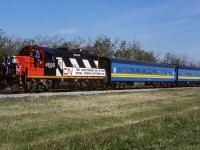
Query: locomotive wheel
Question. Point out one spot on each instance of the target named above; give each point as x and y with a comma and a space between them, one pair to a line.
94, 86
48, 86
28, 87
83, 86
44, 86
34, 85
38, 86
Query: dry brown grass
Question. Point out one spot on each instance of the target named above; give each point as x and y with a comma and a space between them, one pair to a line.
62, 117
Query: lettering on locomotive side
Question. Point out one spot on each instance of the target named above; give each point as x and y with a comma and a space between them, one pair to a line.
50, 65
69, 71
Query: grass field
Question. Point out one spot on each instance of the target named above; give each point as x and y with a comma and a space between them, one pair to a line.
163, 119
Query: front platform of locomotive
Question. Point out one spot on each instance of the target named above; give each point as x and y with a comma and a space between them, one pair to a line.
8, 74
13, 71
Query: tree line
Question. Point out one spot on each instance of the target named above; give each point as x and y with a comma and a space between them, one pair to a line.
103, 45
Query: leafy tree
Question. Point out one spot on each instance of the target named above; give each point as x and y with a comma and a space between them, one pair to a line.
77, 43
103, 46
170, 58
8, 46
132, 50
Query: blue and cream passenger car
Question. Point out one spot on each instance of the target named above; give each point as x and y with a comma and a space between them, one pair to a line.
128, 72
188, 76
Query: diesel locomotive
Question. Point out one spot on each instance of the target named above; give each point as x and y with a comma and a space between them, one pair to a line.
38, 68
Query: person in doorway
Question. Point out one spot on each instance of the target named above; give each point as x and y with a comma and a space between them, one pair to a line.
38, 57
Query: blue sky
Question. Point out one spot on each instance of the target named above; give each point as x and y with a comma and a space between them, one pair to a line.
160, 25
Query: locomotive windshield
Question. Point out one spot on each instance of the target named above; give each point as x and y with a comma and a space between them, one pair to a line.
24, 52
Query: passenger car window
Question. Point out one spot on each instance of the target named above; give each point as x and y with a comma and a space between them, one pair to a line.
148, 71
143, 71
168, 73
138, 71
131, 70
155, 72
119, 70
125, 70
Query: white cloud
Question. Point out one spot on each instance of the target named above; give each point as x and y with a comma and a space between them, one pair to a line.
195, 49
66, 31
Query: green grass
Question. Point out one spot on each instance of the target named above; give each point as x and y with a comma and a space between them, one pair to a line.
164, 119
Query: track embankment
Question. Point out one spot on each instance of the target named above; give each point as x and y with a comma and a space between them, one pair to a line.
68, 93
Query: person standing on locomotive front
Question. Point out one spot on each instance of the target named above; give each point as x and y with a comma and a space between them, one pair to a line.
8, 63
38, 57
14, 60
14, 64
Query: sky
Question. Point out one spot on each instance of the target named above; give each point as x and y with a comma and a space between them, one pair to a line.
159, 25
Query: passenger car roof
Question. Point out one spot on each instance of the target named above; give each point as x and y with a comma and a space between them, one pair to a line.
142, 63
188, 68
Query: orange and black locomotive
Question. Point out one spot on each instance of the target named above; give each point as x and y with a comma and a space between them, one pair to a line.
42, 68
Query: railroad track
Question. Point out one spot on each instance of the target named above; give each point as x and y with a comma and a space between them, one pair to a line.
69, 93
77, 93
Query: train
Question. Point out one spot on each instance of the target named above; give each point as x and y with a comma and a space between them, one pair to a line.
37, 69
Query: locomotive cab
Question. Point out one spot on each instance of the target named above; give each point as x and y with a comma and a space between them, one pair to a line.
41, 61
37, 62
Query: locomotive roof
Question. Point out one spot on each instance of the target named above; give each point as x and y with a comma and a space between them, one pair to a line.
70, 51
73, 50
75, 53
56, 51
26, 50
144, 63
48, 50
